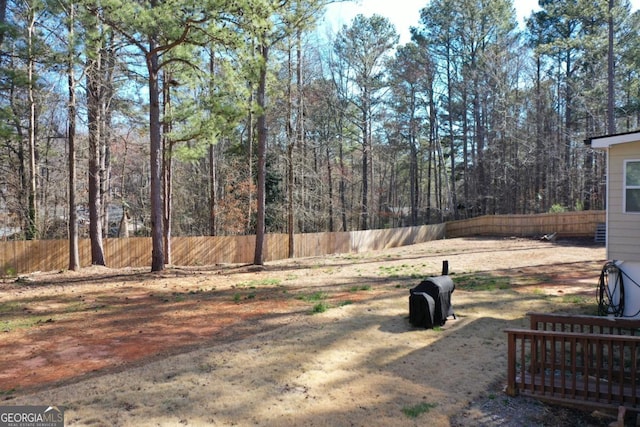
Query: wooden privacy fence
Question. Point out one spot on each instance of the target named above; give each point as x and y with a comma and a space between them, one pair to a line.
577, 360
18, 257
573, 224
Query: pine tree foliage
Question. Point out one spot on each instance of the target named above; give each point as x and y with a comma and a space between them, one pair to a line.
240, 117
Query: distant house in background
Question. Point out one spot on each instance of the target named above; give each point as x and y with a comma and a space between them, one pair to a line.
8, 232
623, 212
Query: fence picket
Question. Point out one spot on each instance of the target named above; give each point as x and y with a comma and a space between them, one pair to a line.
20, 257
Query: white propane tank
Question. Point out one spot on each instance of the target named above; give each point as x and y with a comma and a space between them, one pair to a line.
629, 272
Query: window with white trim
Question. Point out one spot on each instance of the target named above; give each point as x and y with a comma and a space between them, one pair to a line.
632, 186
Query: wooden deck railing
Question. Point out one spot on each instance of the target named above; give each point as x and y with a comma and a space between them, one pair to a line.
585, 324
565, 362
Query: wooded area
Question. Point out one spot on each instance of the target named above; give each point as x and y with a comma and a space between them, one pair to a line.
228, 117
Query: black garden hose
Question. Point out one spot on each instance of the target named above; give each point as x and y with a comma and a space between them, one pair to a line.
606, 304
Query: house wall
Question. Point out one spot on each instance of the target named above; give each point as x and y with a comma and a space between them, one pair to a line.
623, 229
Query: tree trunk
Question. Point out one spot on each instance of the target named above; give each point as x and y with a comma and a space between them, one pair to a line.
123, 227
300, 107
330, 190
290, 213
290, 146
452, 157
342, 188
107, 68
168, 197
212, 166
74, 257
413, 165
431, 158
538, 185
250, 137
155, 168
568, 127
481, 188
167, 163
611, 103
262, 158
94, 99
364, 209
32, 226
212, 190
105, 169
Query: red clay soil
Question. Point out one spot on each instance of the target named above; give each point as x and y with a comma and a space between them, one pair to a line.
76, 324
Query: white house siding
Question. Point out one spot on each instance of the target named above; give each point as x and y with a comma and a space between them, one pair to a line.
623, 229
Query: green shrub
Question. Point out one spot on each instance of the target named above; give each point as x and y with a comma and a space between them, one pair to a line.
557, 208
320, 307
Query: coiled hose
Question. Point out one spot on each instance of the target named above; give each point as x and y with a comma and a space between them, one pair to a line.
606, 291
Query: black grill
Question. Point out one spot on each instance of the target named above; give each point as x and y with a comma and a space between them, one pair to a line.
430, 302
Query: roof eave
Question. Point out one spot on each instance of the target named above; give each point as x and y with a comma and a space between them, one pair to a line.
607, 141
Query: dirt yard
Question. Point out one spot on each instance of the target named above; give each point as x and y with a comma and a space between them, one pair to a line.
320, 341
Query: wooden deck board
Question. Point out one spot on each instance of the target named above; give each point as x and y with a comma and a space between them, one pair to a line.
598, 392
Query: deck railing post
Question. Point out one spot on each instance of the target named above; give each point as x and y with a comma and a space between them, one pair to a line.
511, 364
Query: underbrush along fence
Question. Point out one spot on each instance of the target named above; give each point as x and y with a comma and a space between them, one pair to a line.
20, 256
